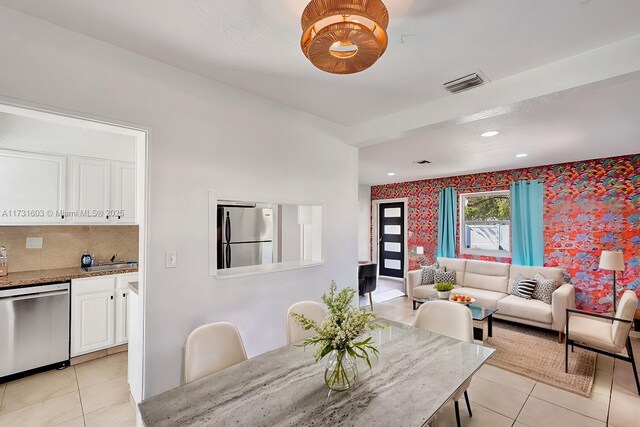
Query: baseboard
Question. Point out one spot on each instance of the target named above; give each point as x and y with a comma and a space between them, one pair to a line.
98, 354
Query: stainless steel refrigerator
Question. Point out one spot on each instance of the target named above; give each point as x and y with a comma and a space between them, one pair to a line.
245, 236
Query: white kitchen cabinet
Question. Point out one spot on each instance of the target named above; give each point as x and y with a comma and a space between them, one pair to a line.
124, 192
122, 306
122, 316
34, 188
99, 312
92, 314
53, 189
91, 190
134, 371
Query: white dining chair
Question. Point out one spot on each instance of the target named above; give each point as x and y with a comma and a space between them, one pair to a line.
311, 310
453, 320
212, 348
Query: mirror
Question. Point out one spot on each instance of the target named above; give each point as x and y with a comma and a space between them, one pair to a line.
250, 235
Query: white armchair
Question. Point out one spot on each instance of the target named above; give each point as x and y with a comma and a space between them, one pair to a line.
604, 334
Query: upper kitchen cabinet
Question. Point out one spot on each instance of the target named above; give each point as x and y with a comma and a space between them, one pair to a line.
91, 191
124, 192
33, 188
103, 192
59, 170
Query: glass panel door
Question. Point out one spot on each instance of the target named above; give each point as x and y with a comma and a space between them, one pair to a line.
391, 239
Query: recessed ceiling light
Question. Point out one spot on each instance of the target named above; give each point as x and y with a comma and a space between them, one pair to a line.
522, 155
391, 173
490, 134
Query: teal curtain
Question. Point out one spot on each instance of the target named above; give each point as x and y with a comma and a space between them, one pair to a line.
526, 223
447, 214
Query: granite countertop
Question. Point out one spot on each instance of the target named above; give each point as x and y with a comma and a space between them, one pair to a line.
416, 374
39, 277
133, 286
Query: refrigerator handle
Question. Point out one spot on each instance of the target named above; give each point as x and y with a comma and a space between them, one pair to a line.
227, 236
227, 228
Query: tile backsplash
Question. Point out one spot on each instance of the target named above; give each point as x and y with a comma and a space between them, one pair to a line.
63, 245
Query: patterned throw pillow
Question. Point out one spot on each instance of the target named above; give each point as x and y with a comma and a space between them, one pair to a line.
545, 288
428, 273
442, 276
523, 287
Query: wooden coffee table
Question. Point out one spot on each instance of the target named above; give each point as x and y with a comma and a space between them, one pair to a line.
478, 312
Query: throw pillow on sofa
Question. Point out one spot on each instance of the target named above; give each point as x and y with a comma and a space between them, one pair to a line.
428, 274
442, 276
545, 288
523, 287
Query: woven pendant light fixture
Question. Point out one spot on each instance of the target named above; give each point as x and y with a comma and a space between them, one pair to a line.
344, 36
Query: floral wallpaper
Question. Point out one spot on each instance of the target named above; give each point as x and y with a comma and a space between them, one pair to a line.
590, 206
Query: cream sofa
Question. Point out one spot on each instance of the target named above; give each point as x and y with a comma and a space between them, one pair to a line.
490, 284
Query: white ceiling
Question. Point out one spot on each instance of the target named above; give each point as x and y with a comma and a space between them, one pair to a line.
254, 44
593, 121
565, 74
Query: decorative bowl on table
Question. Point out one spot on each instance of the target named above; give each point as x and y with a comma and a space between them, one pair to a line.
462, 299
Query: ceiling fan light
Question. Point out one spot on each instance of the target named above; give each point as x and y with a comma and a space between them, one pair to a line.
344, 36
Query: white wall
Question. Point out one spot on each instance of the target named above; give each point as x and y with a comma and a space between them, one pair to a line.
364, 222
204, 137
40, 135
289, 233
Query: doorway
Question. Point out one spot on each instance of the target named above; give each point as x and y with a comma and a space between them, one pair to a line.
98, 155
391, 250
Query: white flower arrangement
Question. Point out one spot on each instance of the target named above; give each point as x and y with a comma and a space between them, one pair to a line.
342, 326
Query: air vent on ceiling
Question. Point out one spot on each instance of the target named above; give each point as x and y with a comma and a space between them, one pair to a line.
464, 83
422, 162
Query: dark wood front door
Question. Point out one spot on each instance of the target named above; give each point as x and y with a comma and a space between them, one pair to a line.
391, 239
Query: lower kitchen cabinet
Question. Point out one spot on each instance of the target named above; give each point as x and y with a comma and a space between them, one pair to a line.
92, 317
99, 313
122, 316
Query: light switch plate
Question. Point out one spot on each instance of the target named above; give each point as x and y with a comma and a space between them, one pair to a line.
34, 243
171, 259
419, 250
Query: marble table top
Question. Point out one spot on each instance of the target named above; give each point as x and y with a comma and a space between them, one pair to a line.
416, 374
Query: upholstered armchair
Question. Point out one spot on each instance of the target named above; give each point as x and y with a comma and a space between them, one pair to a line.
604, 334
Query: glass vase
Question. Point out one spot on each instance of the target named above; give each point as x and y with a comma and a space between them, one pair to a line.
341, 370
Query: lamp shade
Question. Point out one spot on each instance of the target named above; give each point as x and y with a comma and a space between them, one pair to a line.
612, 260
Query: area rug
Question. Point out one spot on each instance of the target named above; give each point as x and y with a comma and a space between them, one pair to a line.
536, 354
383, 296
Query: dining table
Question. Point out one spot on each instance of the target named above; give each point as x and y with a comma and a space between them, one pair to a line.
416, 373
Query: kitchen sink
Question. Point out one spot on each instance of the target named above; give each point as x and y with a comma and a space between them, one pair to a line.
110, 267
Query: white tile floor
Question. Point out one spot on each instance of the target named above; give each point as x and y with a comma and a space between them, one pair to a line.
503, 398
93, 393
386, 289
96, 393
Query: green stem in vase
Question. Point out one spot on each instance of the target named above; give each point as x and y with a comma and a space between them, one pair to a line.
339, 335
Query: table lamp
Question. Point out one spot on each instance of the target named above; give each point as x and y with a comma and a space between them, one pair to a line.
612, 260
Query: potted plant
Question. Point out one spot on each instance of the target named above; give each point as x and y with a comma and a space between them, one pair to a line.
339, 336
444, 289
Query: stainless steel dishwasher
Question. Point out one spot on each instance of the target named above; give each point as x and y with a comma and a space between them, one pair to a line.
34, 327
